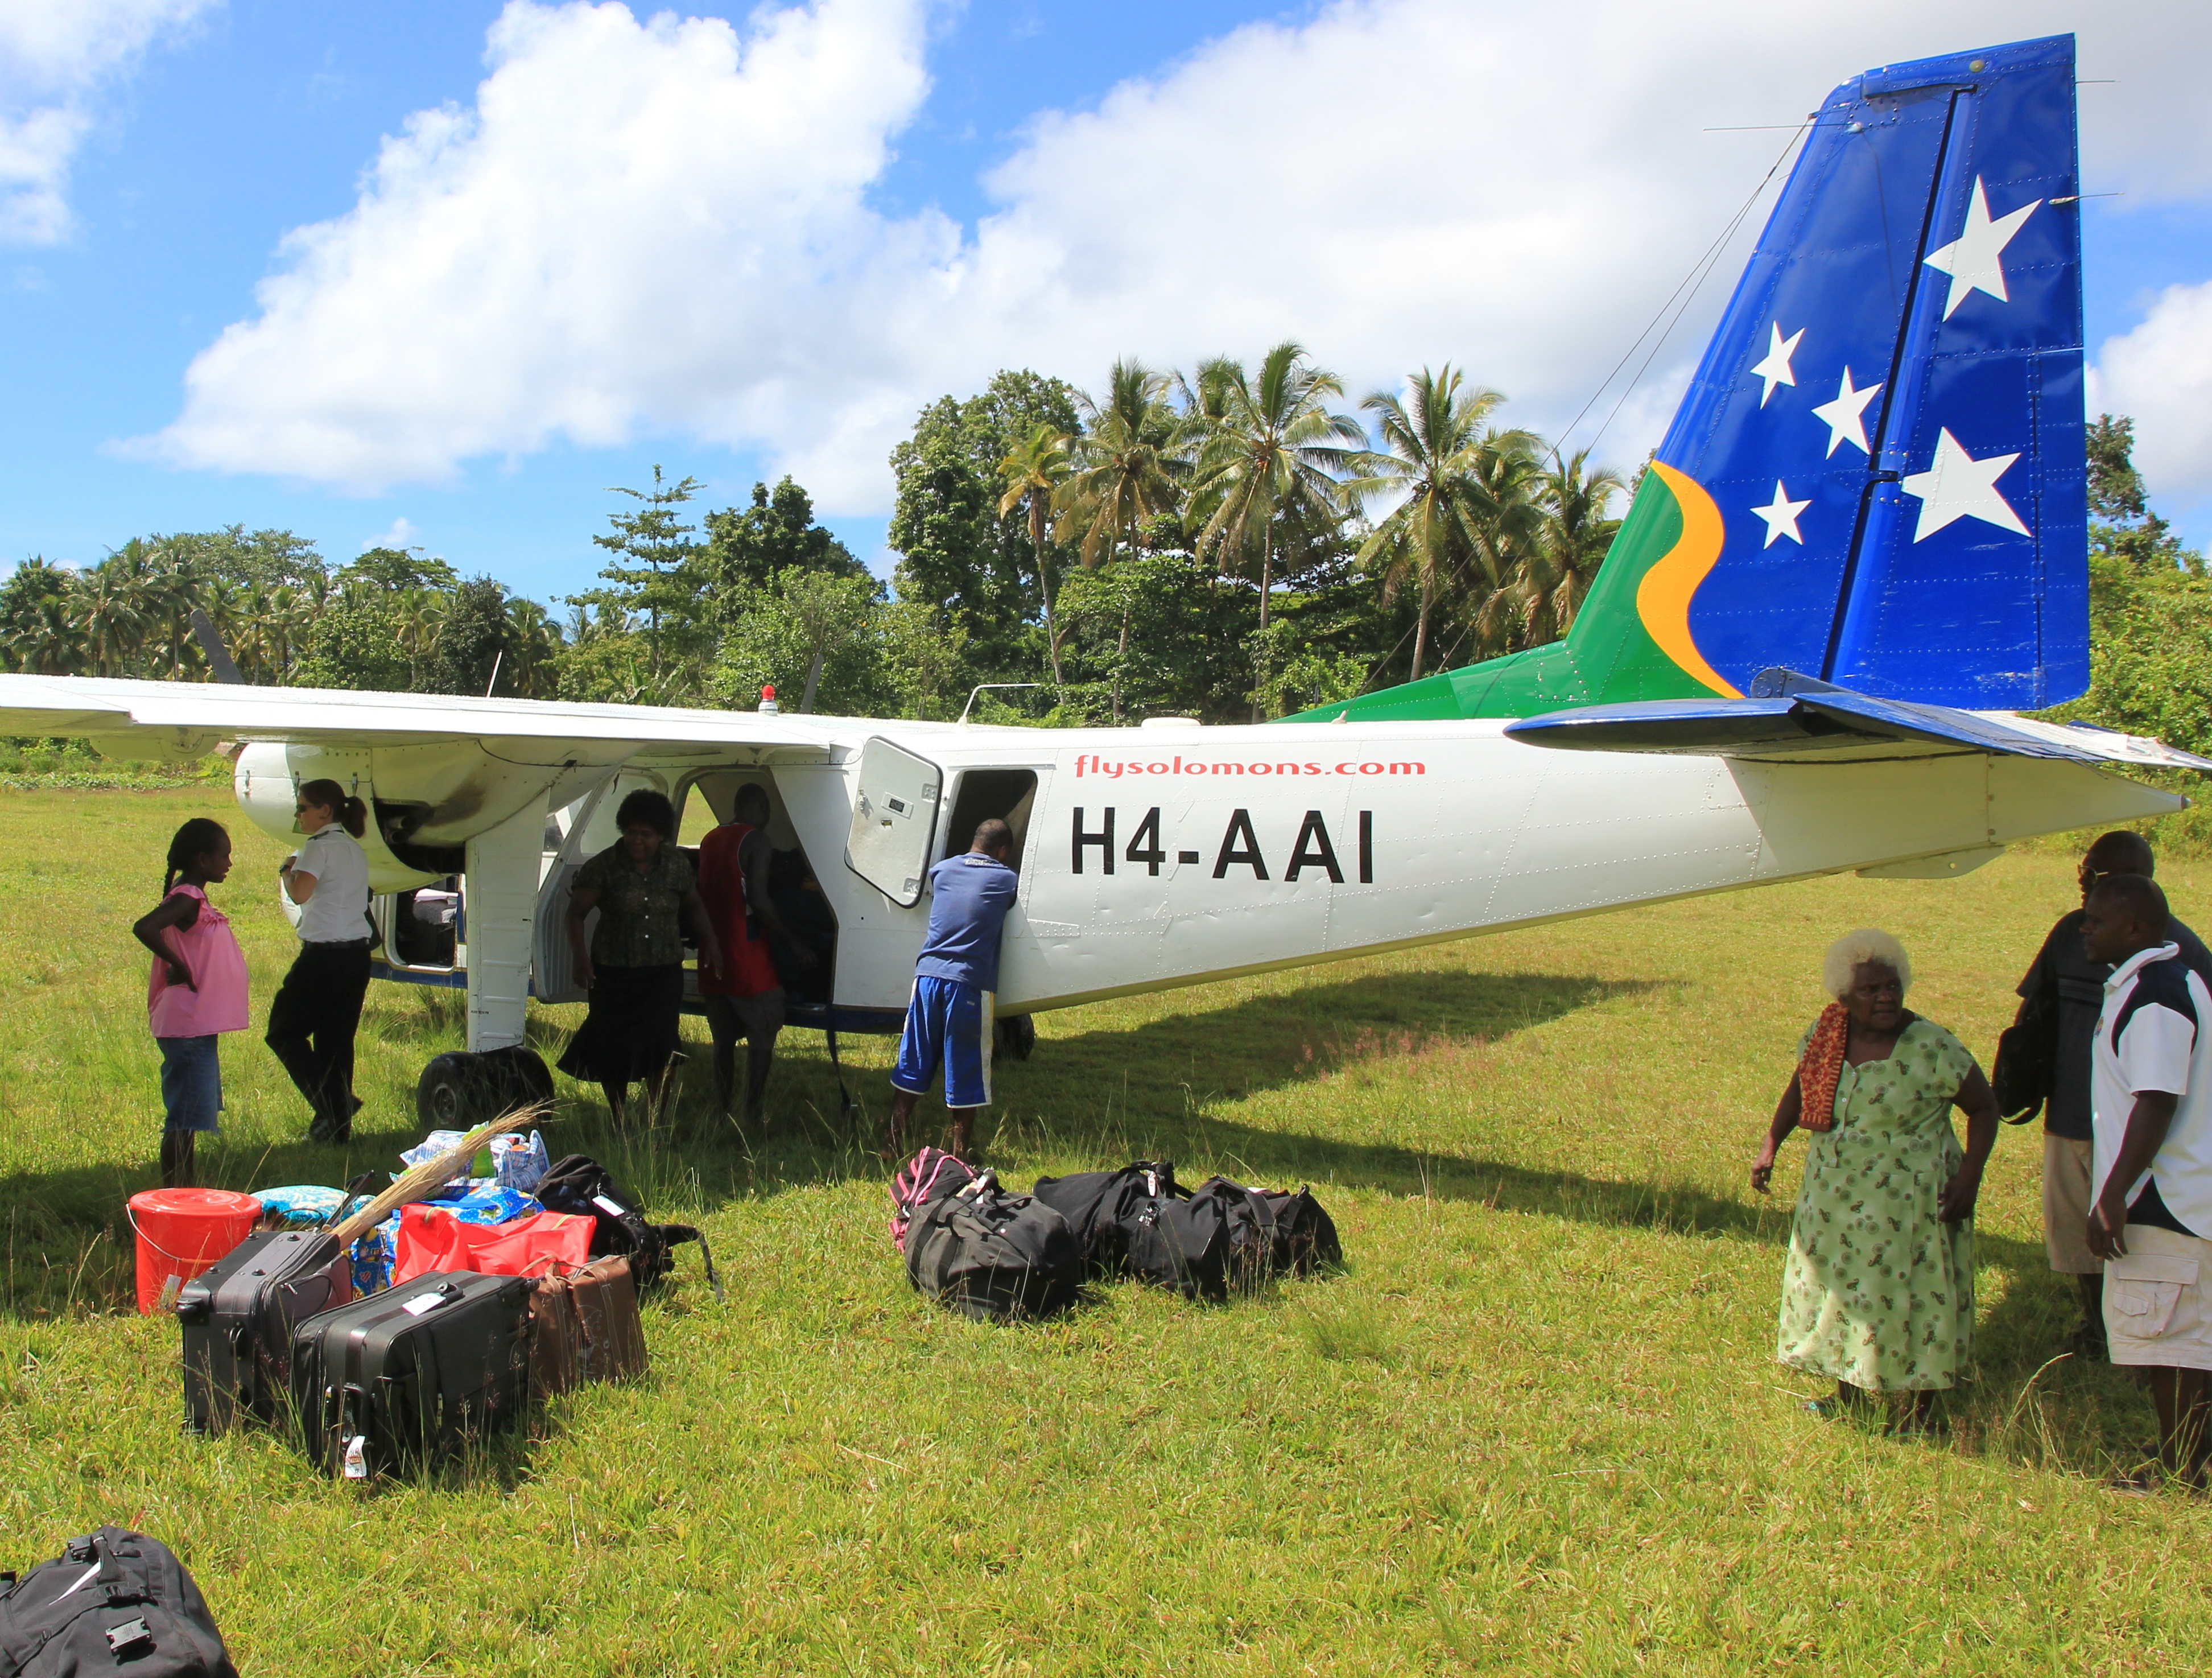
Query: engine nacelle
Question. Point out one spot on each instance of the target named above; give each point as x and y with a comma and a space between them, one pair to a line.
425, 801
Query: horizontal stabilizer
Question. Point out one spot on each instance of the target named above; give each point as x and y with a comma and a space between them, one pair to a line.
1793, 719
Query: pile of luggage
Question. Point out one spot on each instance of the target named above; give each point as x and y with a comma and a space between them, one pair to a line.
1004, 1258
480, 1319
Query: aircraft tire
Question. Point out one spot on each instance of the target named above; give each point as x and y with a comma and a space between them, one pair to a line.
1015, 1035
458, 1090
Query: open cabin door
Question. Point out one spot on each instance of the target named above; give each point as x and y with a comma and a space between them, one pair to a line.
575, 833
893, 820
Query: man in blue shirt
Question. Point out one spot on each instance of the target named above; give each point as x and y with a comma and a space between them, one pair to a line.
948, 1021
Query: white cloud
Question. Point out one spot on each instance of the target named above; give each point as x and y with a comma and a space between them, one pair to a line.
401, 534
56, 58
2162, 373
665, 225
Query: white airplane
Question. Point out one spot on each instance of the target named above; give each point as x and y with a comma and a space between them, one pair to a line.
1926, 559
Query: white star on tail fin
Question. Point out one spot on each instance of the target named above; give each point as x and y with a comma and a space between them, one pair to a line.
1974, 260
1782, 516
1957, 486
1775, 369
1845, 418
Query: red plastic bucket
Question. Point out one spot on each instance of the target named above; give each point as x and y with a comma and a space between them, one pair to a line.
181, 1232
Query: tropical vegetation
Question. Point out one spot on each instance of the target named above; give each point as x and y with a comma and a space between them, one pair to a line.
1229, 543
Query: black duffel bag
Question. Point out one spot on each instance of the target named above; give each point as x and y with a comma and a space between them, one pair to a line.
578, 1183
1226, 1233
114, 1601
994, 1256
1119, 1218
1304, 1234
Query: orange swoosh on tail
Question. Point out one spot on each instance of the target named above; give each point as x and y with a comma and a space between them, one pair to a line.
1663, 598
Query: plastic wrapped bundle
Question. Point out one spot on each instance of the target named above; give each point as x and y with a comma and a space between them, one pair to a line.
306, 1205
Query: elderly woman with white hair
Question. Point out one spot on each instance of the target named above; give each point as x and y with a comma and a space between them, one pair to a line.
1878, 1291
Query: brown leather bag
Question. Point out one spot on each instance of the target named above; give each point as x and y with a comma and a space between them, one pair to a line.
584, 1326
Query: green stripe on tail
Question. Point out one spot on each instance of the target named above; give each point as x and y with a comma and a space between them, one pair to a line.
1608, 656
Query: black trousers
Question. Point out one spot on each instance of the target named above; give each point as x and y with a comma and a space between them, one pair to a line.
311, 1025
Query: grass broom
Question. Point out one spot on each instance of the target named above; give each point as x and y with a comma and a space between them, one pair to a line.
418, 1180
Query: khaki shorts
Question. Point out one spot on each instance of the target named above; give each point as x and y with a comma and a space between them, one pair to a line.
2066, 1206
752, 1017
2158, 1301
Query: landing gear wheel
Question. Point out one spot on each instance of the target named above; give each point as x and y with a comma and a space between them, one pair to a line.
460, 1091
1015, 1035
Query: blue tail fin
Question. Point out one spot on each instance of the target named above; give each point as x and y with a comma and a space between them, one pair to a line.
1877, 476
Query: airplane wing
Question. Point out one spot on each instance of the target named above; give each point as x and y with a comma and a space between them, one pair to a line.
189, 718
1811, 722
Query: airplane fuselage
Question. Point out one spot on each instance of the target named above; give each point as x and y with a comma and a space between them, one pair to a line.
1175, 854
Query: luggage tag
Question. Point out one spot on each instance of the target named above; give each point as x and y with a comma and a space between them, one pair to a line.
423, 1303
356, 1458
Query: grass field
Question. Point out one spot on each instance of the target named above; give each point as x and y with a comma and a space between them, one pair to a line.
1537, 1426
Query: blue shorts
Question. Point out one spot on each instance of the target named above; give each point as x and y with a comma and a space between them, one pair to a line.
191, 1083
948, 1023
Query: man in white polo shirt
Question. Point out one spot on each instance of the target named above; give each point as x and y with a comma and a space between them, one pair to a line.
2151, 1076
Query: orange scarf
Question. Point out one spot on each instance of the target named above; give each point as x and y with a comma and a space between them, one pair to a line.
1822, 1068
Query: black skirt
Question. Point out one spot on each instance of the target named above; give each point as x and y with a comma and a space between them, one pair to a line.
630, 1032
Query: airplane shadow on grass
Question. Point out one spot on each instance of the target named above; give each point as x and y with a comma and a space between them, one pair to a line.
1153, 1088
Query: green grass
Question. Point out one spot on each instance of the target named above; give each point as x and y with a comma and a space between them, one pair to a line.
1536, 1427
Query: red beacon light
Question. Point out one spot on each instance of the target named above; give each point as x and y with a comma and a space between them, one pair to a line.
768, 705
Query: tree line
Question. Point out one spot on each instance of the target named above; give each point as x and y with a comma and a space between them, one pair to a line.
1197, 544
1230, 544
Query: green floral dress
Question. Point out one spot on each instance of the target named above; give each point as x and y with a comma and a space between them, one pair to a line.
1878, 1291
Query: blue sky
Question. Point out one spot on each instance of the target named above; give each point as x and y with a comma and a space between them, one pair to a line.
1208, 185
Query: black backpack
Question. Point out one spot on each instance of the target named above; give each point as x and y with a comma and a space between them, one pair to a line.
2026, 1066
994, 1256
115, 1601
578, 1183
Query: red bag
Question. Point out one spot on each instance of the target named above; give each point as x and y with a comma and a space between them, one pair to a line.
432, 1239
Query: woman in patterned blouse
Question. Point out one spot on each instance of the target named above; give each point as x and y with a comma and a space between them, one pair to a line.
633, 964
1878, 1291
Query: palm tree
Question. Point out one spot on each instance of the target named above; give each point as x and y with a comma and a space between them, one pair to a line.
1124, 468
1033, 468
108, 609
45, 642
1575, 501
1431, 458
276, 624
1510, 468
534, 639
421, 614
1268, 450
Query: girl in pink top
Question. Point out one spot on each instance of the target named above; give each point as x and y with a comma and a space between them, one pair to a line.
197, 990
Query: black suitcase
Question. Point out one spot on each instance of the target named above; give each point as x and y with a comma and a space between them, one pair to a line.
238, 1314
406, 1377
